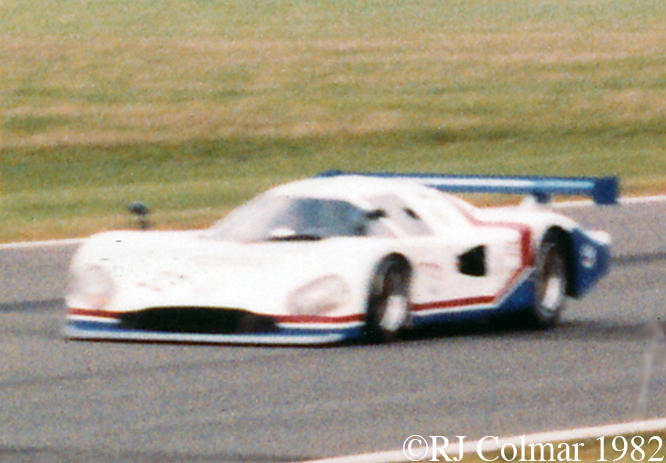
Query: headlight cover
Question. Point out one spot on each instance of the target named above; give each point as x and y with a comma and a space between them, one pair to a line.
320, 296
90, 288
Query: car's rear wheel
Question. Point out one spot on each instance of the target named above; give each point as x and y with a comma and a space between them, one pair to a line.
550, 286
388, 302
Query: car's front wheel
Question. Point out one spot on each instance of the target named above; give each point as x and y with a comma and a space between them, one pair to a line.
550, 284
388, 302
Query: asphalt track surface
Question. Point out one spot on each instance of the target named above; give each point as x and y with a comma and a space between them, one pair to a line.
65, 401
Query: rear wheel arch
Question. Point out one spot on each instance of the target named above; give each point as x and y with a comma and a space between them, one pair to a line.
401, 261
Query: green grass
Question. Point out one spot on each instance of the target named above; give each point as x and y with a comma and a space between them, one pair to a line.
195, 105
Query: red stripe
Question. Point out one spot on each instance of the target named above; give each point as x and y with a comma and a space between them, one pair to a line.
318, 318
277, 318
93, 313
452, 303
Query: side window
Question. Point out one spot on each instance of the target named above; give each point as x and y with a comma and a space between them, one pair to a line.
398, 212
378, 228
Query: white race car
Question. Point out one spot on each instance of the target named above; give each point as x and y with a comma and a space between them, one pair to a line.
342, 256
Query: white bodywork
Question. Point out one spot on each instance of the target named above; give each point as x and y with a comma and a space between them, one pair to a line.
311, 283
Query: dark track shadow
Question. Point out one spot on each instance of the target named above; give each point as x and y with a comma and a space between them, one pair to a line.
569, 330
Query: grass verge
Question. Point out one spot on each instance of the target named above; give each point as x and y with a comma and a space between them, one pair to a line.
195, 106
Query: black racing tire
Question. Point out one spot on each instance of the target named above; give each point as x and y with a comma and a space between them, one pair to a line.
550, 285
388, 301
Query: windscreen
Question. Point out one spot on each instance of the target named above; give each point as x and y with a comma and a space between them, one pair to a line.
283, 218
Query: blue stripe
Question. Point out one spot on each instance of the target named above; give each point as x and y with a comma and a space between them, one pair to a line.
520, 298
95, 330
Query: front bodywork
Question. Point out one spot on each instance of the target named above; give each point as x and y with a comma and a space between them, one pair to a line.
187, 287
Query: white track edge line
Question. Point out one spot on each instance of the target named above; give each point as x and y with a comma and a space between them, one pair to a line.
40, 244
615, 429
556, 205
643, 199
624, 201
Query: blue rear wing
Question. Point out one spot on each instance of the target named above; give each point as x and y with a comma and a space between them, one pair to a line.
603, 190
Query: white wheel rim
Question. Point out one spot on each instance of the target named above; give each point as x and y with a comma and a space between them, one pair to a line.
552, 294
395, 313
